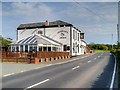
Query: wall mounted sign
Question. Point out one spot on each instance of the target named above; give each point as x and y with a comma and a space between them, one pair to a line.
63, 34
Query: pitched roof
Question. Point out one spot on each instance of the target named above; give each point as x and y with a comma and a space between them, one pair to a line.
42, 24
37, 39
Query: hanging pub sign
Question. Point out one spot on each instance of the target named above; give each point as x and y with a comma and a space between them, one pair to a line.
81, 35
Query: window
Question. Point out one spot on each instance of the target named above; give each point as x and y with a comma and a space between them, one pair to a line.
26, 47
78, 36
21, 47
44, 48
30, 48
17, 48
54, 48
9, 48
78, 48
40, 32
49, 48
35, 48
68, 47
73, 47
73, 34
40, 48
13, 49
65, 47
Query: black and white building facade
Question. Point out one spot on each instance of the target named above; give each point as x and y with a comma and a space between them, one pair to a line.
57, 36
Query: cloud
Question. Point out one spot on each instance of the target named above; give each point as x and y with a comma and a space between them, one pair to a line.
60, 0
96, 20
27, 12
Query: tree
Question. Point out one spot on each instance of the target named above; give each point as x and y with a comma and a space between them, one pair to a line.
4, 42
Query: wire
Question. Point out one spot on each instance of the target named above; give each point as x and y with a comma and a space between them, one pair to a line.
92, 12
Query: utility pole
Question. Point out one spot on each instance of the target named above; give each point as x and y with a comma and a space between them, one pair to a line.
118, 34
112, 41
118, 25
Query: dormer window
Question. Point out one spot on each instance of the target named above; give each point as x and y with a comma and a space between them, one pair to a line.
40, 32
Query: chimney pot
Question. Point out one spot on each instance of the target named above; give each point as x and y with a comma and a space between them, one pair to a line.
46, 23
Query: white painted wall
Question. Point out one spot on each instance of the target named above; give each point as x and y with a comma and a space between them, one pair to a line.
60, 34
75, 42
55, 33
27, 32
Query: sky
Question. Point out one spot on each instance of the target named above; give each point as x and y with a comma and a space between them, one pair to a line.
98, 20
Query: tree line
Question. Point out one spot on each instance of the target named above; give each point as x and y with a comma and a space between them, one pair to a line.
102, 46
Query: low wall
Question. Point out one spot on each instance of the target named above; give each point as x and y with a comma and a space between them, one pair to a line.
23, 57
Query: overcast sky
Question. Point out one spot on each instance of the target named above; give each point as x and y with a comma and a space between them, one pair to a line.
98, 20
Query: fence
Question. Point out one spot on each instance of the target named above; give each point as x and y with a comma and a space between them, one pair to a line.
29, 57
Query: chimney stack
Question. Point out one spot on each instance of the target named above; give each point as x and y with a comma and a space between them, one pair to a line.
46, 23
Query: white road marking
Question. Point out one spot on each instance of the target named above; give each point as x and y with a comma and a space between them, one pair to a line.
94, 58
37, 84
22, 71
75, 67
89, 61
98, 56
37, 67
8, 74
113, 76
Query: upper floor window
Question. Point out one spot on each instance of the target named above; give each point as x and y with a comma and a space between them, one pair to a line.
78, 36
40, 32
73, 34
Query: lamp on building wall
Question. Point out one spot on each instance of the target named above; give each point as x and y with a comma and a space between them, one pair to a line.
81, 35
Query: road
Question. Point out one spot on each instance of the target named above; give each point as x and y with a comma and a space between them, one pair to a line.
94, 71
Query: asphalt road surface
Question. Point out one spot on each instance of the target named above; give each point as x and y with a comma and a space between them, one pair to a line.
95, 71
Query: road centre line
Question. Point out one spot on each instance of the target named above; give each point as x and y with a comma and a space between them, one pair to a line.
22, 71
75, 67
37, 84
8, 74
89, 61
98, 56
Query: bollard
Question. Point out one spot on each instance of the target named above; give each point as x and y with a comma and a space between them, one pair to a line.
36, 61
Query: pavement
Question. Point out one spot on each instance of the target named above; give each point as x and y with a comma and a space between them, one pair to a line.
94, 71
9, 68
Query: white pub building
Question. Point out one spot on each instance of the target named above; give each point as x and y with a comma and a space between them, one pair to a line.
54, 36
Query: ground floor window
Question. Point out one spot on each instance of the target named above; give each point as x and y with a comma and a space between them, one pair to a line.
68, 47
21, 47
26, 48
44, 48
54, 48
78, 48
40, 48
17, 48
13, 49
49, 48
65, 47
